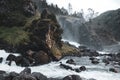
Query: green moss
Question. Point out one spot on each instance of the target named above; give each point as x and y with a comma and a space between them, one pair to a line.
14, 36
67, 49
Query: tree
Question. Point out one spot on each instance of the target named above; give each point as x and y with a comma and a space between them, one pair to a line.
91, 14
69, 8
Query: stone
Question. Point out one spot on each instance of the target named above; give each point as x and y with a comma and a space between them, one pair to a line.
2, 77
72, 77
95, 61
26, 71
2, 72
113, 70
24, 77
39, 76
1, 59
82, 68
21, 61
71, 61
77, 70
41, 58
11, 57
66, 67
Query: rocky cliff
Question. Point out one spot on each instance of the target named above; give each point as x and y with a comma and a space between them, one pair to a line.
36, 36
96, 33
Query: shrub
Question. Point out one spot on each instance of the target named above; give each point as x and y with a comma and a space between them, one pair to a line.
14, 36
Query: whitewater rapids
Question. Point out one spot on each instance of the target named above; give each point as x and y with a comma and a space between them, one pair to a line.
98, 72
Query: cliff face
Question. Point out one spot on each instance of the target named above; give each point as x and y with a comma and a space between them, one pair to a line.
46, 35
97, 33
109, 22
24, 30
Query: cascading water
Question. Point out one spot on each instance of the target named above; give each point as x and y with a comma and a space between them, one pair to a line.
71, 26
74, 30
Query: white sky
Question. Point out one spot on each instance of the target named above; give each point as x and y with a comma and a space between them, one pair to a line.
97, 5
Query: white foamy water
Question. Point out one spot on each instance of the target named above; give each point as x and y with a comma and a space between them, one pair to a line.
71, 42
98, 72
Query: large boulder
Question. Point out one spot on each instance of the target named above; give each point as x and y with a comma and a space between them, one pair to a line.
21, 61
72, 77
26, 71
1, 59
71, 61
2, 72
24, 77
11, 57
2, 77
41, 58
39, 76
11, 75
113, 70
54, 79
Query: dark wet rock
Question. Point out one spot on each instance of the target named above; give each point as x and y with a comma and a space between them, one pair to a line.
88, 52
106, 61
41, 58
54, 79
66, 67
95, 61
83, 49
77, 70
1, 59
24, 77
21, 61
82, 68
39, 76
11, 75
91, 79
113, 70
25, 62
91, 58
2, 77
118, 55
93, 53
72, 77
71, 61
119, 63
11, 57
2, 72
26, 71
18, 60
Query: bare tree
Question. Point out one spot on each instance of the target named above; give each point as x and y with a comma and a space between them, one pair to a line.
69, 8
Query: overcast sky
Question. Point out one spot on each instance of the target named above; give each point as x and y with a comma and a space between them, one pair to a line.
97, 5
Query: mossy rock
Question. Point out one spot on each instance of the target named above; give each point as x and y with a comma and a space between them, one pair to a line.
56, 52
68, 49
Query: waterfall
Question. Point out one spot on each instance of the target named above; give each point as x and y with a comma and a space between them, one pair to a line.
71, 26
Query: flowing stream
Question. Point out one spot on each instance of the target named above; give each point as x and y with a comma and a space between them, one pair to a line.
98, 72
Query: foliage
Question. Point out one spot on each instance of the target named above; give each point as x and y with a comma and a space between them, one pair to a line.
14, 36
14, 18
